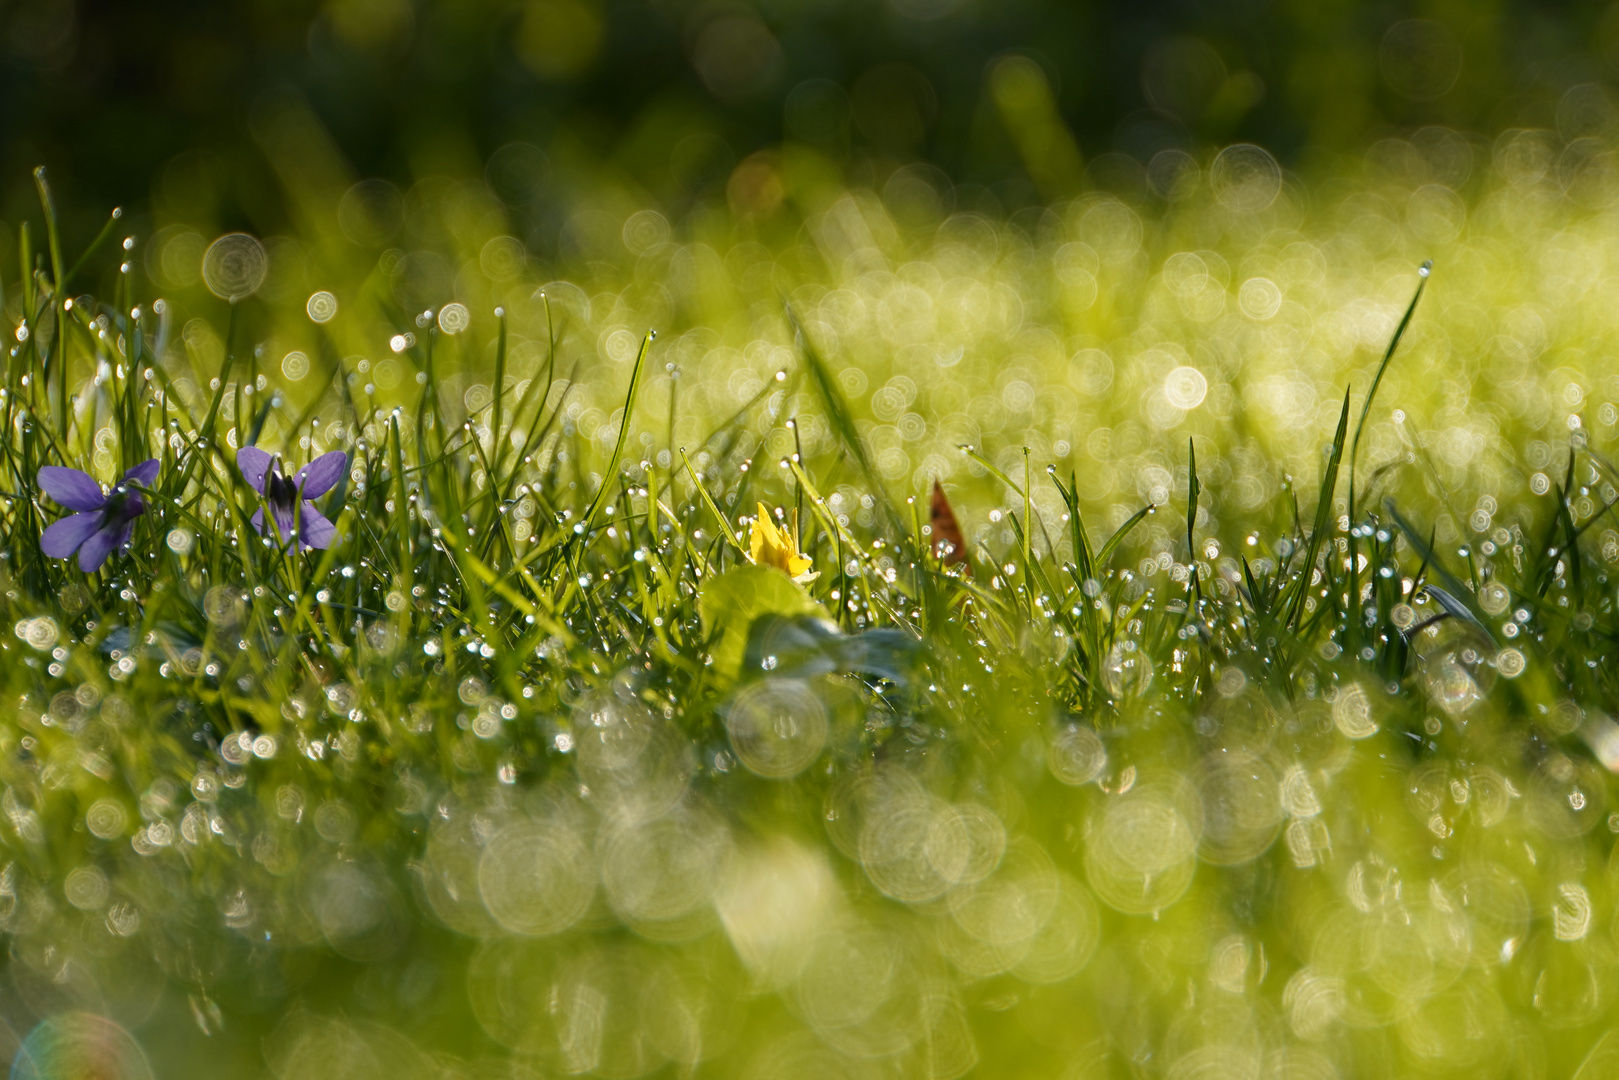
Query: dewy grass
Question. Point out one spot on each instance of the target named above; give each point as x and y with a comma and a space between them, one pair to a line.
1197, 764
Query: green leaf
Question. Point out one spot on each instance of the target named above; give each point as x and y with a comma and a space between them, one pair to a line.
730, 602
806, 645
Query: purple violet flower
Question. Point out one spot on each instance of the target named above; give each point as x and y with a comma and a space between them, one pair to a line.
103, 523
291, 512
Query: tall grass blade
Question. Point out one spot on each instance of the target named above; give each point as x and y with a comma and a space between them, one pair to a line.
1453, 587
497, 444
1377, 379
610, 474
1323, 515
1352, 628
713, 507
1193, 489
95, 245
1120, 534
839, 416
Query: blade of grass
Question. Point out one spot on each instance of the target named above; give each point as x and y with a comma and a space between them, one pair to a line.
1193, 489
496, 445
973, 453
1569, 551
708, 501
205, 441
95, 245
1352, 627
1454, 591
1377, 379
1121, 533
840, 418
611, 471
1323, 516
53, 239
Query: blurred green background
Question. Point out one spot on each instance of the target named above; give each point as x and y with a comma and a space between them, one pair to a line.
1128, 286
181, 107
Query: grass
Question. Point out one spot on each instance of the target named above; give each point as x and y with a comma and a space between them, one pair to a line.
1264, 728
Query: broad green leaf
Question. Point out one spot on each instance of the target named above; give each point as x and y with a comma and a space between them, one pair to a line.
731, 602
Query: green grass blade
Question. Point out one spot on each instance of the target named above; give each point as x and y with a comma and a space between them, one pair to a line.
1377, 379
1323, 514
840, 418
1454, 589
611, 471
205, 442
713, 507
1120, 534
1193, 489
499, 446
95, 245
989, 466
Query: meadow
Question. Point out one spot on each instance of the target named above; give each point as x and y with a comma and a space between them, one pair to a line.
1238, 706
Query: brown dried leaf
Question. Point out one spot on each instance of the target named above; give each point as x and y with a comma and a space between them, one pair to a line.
949, 546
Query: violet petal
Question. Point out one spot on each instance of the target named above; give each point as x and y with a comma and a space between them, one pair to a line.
64, 536
102, 543
255, 465
144, 473
318, 477
315, 531
71, 488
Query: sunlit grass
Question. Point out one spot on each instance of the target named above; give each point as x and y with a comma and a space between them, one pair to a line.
1262, 731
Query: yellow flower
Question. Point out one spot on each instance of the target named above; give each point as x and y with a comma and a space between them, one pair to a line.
771, 545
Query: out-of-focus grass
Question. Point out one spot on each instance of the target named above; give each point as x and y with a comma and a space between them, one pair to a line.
1083, 331
1191, 773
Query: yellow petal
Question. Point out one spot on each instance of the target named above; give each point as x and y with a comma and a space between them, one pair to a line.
759, 538
772, 545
